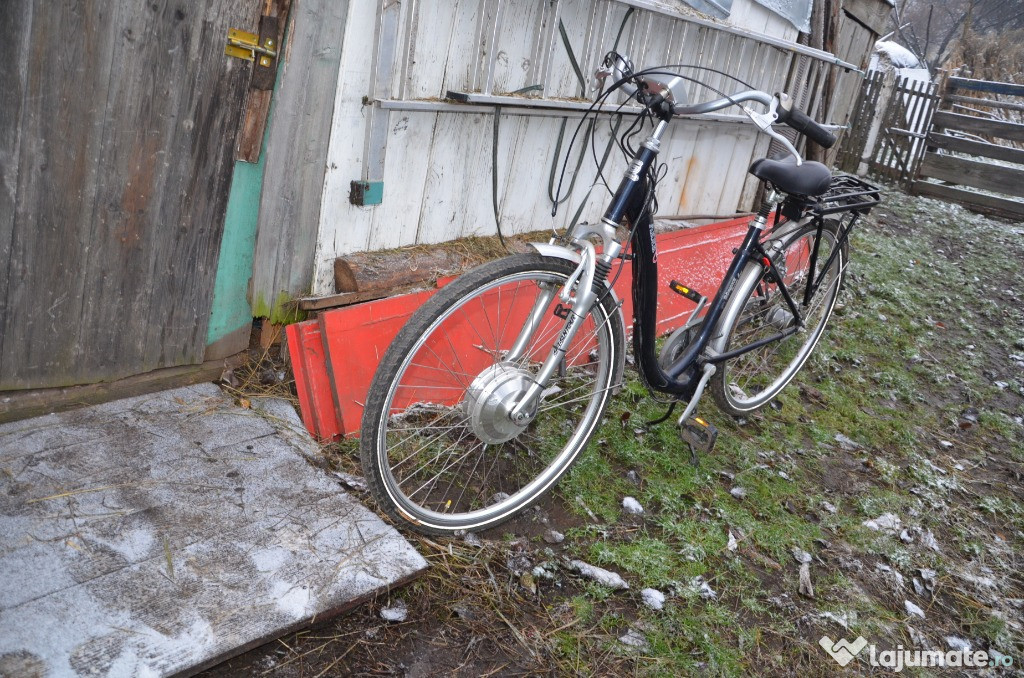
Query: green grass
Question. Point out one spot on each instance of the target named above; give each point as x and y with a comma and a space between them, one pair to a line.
894, 374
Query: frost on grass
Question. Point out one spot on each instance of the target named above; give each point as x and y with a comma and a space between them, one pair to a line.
396, 612
635, 639
653, 598
957, 643
913, 610
599, 574
698, 586
632, 506
887, 522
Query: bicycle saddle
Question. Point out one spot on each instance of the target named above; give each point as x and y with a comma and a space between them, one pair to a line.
809, 179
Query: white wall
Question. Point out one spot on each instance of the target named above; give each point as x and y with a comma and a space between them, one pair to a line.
437, 163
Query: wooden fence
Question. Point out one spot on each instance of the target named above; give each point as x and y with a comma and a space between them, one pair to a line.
961, 150
937, 141
857, 138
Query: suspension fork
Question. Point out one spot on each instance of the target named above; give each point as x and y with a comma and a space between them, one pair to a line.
592, 271
588, 282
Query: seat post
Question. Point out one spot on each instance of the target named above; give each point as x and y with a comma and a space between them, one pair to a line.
771, 199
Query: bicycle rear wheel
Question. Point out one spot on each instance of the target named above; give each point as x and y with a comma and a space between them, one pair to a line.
438, 448
757, 310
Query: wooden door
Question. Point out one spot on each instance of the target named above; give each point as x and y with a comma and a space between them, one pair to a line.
117, 127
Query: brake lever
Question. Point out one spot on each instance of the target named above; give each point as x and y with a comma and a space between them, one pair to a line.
764, 122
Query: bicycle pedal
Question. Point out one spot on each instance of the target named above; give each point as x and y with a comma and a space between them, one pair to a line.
699, 434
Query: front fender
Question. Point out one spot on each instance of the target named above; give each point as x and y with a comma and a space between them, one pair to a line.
557, 251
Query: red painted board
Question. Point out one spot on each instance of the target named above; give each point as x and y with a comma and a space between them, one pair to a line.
293, 333
356, 337
309, 365
696, 257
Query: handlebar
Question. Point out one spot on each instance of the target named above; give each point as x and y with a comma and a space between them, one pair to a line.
780, 106
724, 102
802, 123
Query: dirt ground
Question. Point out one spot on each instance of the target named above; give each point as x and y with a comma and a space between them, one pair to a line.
889, 470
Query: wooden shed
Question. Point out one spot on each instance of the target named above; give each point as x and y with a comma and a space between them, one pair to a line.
422, 82
155, 198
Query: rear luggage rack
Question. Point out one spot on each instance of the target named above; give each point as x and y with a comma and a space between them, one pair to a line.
848, 193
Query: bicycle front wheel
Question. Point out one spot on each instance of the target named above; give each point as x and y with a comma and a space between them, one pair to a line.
758, 311
439, 449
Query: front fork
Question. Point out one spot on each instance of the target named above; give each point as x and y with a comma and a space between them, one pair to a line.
587, 284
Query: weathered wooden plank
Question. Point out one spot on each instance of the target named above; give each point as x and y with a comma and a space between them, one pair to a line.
460, 156
15, 32
120, 291
561, 80
981, 202
15, 405
712, 157
874, 14
348, 228
405, 171
986, 86
176, 309
296, 156
985, 103
517, 42
748, 142
61, 136
981, 175
257, 105
525, 158
983, 126
236, 535
435, 23
169, 289
979, 148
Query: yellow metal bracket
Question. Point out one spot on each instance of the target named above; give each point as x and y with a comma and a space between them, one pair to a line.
245, 45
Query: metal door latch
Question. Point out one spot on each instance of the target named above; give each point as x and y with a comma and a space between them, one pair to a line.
245, 45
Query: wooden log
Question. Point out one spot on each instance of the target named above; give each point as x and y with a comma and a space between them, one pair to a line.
383, 271
980, 148
967, 123
979, 202
981, 175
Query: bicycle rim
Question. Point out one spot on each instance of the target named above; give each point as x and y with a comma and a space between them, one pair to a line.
750, 380
447, 455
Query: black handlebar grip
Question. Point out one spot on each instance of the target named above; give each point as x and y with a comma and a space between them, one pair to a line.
802, 123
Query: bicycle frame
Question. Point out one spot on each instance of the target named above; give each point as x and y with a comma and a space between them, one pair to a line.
685, 377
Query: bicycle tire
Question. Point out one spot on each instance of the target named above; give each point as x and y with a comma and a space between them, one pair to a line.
757, 310
438, 394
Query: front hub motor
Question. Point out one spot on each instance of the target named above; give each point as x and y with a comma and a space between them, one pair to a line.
490, 400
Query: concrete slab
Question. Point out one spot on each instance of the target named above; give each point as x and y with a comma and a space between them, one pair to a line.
160, 534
